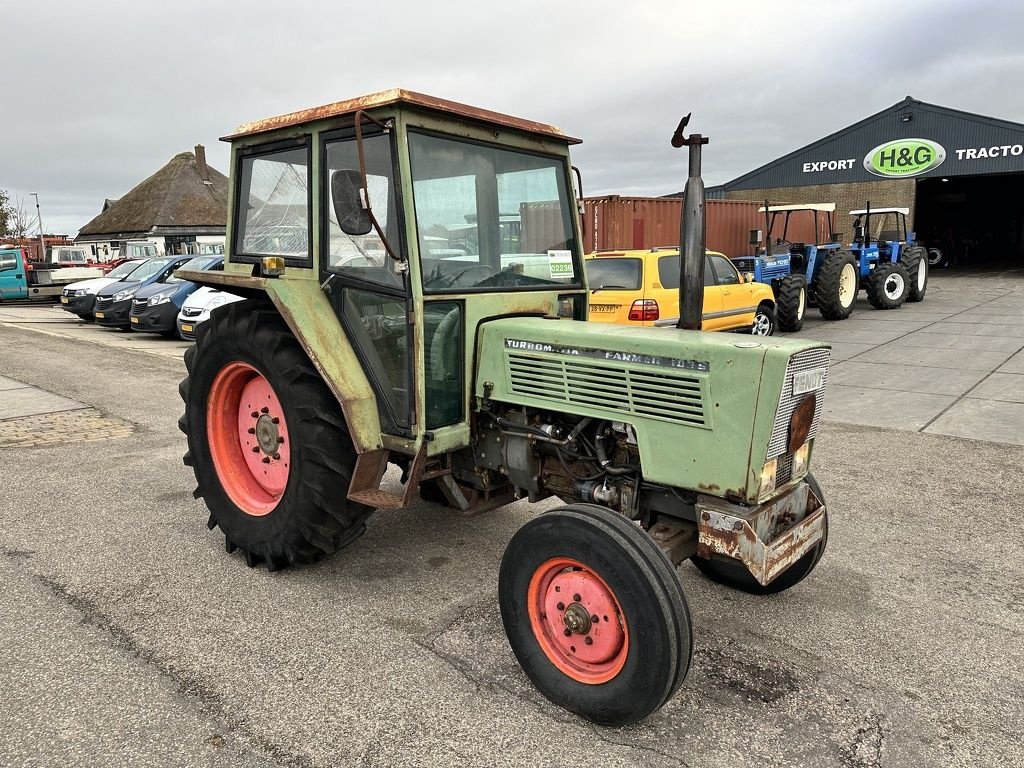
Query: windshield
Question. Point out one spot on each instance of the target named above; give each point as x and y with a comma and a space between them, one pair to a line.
139, 250
200, 263
613, 274
124, 269
491, 219
147, 269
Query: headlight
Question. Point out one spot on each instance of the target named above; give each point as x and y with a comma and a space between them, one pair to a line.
125, 294
81, 292
800, 459
159, 298
768, 478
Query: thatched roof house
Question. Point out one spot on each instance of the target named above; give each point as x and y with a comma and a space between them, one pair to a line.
184, 199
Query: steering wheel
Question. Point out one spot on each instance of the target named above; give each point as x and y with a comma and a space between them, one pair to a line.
481, 270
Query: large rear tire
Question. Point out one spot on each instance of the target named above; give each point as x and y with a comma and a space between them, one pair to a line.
595, 614
888, 285
836, 285
915, 260
732, 573
791, 303
267, 441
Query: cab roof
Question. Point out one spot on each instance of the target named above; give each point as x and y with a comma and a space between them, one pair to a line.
397, 96
824, 207
862, 211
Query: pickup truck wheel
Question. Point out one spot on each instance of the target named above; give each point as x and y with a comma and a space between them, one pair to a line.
595, 614
791, 303
732, 573
267, 441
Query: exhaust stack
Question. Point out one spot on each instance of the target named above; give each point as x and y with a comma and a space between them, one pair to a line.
692, 234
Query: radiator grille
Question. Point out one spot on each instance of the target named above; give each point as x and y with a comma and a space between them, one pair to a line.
801, 361
103, 302
656, 394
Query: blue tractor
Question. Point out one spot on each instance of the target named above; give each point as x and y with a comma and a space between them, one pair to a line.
799, 272
892, 267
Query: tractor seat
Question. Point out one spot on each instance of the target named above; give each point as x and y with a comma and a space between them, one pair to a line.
797, 247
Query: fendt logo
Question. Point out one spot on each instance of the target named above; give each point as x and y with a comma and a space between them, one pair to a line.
904, 157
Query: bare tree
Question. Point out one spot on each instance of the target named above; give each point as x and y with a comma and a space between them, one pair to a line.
5, 212
19, 218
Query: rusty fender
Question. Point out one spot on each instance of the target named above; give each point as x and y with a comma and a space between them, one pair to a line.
768, 538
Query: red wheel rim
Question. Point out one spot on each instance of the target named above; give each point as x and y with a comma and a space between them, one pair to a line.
577, 621
248, 438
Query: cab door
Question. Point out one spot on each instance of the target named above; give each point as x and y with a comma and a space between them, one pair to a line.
13, 281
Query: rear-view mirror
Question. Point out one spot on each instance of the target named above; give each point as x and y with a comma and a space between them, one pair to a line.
346, 194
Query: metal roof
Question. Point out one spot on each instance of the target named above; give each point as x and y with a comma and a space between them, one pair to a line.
397, 96
824, 207
973, 145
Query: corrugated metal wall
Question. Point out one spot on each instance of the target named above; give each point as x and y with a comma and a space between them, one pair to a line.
618, 223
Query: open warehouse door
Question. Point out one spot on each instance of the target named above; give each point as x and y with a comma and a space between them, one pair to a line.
974, 221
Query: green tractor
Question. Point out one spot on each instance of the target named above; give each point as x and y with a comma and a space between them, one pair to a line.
415, 297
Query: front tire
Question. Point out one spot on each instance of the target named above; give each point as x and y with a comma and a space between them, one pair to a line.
888, 285
764, 321
836, 285
732, 573
267, 441
791, 303
595, 614
916, 263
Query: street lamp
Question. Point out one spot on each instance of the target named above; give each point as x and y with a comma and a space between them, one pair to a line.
39, 218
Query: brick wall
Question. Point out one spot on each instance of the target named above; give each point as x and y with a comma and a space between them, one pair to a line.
847, 197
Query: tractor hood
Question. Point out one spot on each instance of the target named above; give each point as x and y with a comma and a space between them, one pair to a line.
699, 423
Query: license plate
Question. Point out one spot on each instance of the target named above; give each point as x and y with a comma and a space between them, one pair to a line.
135, 319
186, 328
603, 307
63, 299
98, 314
808, 381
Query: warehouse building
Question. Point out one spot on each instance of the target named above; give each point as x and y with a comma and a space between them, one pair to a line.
961, 175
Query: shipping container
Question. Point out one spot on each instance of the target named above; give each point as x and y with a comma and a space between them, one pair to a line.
622, 223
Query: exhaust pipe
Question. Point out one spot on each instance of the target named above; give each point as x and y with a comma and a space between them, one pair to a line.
692, 234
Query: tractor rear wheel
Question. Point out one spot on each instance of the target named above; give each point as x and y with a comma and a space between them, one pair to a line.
267, 441
732, 573
595, 613
888, 285
915, 260
836, 285
791, 303
936, 258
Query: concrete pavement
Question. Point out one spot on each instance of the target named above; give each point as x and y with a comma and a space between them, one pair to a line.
130, 637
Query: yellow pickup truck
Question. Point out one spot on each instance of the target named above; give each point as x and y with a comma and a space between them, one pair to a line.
642, 287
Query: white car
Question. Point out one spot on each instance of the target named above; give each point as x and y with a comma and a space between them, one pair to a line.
79, 298
197, 308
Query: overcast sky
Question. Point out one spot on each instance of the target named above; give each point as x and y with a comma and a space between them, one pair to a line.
101, 94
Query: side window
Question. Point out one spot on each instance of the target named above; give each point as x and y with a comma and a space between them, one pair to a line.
709, 273
8, 261
364, 256
725, 272
668, 272
273, 204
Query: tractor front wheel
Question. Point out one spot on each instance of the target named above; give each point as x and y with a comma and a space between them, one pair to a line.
791, 302
732, 573
267, 441
595, 614
915, 260
888, 285
836, 285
